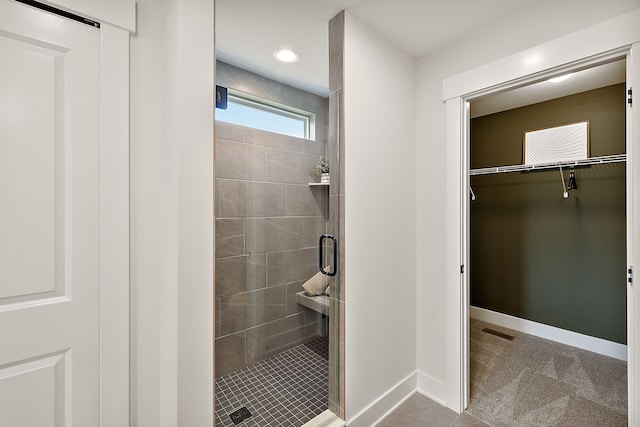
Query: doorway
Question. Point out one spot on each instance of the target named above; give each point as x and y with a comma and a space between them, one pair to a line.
549, 260
629, 198
536, 64
277, 224
272, 302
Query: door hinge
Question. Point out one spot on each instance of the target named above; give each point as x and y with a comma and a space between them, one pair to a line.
630, 98
462, 269
630, 275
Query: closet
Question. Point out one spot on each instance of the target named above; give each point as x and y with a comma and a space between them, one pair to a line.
541, 249
548, 253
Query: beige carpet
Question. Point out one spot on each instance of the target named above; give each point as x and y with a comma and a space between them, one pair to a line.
535, 382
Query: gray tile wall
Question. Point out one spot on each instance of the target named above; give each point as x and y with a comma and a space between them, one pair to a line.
268, 222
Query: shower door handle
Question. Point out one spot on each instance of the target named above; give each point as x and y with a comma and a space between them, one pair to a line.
335, 255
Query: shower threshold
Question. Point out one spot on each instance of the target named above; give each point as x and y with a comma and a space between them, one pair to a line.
326, 419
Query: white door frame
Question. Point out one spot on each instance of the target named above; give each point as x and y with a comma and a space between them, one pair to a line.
185, 322
117, 22
633, 236
612, 37
114, 226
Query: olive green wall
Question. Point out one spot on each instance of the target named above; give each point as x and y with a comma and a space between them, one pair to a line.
538, 256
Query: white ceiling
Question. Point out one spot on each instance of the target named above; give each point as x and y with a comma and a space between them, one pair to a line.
249, 31
421, 26
591, 78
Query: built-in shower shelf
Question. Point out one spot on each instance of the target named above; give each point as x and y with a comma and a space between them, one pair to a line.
318, 303
319, 184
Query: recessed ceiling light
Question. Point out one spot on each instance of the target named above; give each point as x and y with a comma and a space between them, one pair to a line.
286, 55
560, 78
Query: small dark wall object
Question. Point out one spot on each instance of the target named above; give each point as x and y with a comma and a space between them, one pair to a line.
240, 415
222, 96
572, 181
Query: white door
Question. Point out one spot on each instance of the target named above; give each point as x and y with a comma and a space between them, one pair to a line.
49, 220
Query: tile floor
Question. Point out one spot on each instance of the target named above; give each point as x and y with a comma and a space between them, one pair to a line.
287, 389
420, 411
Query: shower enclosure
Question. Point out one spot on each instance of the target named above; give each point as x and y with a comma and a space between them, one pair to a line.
272, 220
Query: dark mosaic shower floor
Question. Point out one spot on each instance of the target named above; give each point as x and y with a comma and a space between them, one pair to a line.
287, 389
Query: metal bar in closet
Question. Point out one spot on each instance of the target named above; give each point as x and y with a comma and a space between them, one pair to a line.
616, 158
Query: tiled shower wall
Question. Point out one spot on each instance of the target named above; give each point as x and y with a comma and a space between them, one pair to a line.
268, 222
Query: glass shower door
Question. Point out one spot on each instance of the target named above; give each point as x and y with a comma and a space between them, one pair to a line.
272, 339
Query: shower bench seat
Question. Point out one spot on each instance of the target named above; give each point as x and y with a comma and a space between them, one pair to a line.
319, 303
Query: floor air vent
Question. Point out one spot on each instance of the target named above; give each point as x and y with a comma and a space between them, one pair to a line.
240, 415
498, 334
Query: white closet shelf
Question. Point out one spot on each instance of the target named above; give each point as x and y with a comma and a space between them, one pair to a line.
616, 158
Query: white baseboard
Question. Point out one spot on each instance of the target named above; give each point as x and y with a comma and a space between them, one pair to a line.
432, 388
585, 342
385, 404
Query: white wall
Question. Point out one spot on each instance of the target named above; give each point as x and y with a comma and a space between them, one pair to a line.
512, 35
380, 218
148, 276
172, 213
191, 106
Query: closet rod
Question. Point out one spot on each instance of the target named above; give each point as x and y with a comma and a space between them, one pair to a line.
616, 158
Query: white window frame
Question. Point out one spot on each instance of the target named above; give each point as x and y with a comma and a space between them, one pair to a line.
308, 118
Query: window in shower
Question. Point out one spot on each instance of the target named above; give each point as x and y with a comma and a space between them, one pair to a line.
251, 111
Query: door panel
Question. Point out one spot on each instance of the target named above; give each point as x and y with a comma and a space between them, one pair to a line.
32, 196
49, 221
37, 390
